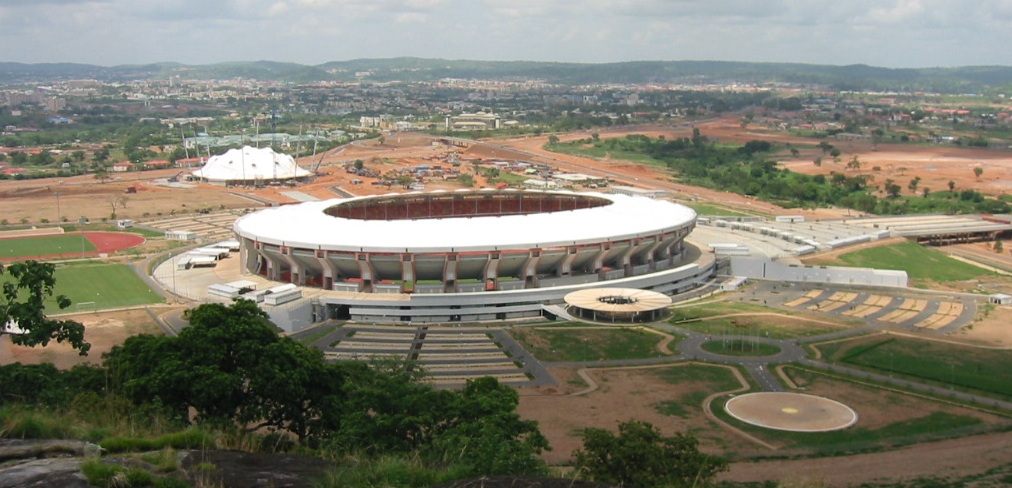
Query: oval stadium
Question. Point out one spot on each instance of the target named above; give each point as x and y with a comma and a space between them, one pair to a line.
470, 255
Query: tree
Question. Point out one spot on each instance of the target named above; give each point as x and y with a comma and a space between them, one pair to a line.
553, 140
977, 171
952, 185
913, 184
31, 283
925, 192
639, 456
817, 161
484, 433
359, 164
405, 180
794, 152
101, 172
101, 155
854, 163
835, 152
217, 366
891, 188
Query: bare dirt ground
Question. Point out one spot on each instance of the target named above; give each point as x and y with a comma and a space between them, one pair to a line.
935, 165
84, 196
103, 330
954, 457
993, 329
624, 394
634, 174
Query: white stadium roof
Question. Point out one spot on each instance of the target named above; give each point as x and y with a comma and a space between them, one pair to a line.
250, 164
307, 226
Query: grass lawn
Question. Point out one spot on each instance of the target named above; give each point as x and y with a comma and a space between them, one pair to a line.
719, 378
750, 325
44, 245
572, 344
978, 370
716, 308
711, 209
738, 347
598, 152
710, 378
107, 285
920, 262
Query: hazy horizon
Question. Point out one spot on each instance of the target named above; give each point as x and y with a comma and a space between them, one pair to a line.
894, 34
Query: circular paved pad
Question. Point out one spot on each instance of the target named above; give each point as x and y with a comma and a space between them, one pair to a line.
795, 412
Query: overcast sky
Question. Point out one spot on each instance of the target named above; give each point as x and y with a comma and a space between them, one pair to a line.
895, 33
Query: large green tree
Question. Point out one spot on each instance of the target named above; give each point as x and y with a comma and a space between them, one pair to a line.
26, 287
639, 456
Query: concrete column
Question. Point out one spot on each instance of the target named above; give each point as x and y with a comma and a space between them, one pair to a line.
298, 273
566, 266
650, 254
626, 259
329, 270
450, 273
530, 269
248, 255
365, 271
491, 267
599, 258
273, 267
408, 269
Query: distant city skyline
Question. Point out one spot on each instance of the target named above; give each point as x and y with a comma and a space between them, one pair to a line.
889, 33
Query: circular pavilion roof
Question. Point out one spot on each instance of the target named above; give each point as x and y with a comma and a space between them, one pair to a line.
618, 300
794, 412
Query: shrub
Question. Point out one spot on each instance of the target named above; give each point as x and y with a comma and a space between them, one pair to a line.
192, 438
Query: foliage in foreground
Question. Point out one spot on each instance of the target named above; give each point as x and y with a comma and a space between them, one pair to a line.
639, 456
22, 303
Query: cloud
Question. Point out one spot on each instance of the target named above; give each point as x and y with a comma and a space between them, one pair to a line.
882, 32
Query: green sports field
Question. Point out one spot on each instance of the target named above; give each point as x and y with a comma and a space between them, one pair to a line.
107, 285
44, 245
920, 262
968, 368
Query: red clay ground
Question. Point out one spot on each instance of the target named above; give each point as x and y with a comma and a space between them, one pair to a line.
110, 242
104, 242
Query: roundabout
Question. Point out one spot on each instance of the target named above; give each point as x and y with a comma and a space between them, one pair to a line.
792, 412
740, 347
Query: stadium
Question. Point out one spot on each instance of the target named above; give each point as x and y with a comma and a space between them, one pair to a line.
471, 255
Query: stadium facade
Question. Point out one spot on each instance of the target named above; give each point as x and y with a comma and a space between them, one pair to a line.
471, 255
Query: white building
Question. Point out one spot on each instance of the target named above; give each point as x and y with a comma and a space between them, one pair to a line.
250, 164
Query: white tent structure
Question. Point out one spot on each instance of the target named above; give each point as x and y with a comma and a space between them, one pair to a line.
250, 164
